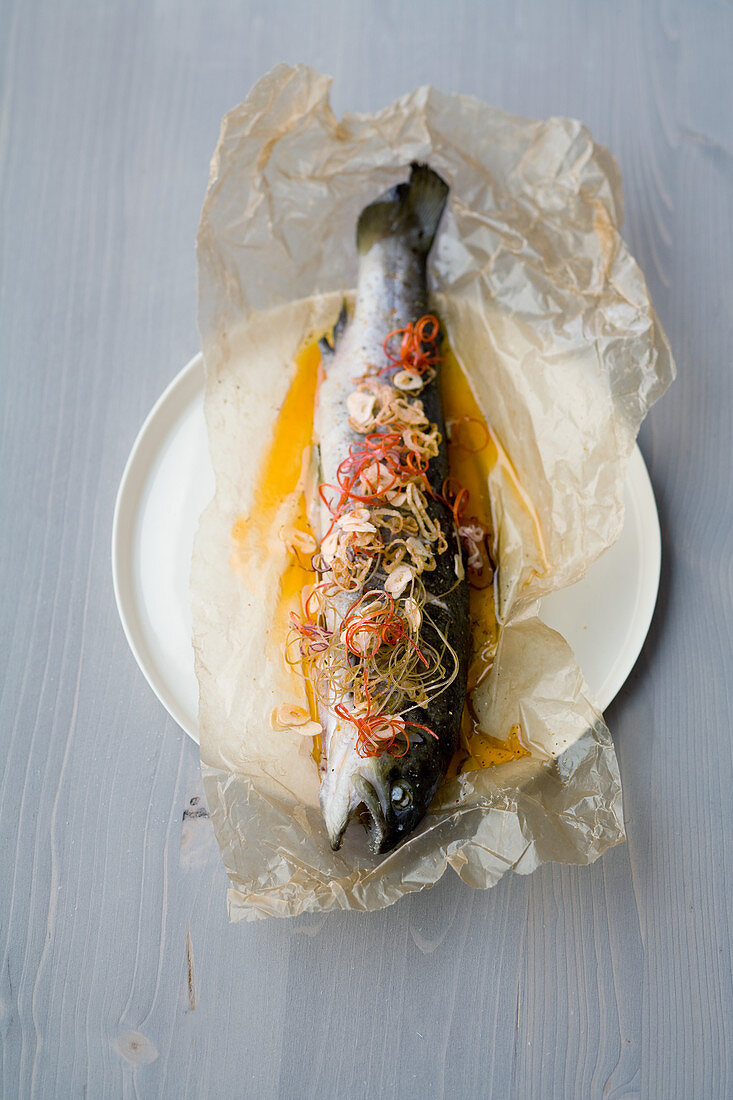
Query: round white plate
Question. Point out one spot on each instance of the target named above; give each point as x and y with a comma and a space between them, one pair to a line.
168, 481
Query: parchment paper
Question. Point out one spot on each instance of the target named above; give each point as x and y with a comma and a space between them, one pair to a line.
551, 320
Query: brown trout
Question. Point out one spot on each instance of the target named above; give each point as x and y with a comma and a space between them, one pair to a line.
391, 611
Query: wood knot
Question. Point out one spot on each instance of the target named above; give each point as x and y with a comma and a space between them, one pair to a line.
136, 1048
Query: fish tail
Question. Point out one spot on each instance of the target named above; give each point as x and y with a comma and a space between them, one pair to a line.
411, 209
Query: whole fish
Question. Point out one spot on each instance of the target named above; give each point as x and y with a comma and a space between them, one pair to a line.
389, 791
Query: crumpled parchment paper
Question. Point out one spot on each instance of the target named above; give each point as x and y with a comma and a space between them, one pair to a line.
552, 322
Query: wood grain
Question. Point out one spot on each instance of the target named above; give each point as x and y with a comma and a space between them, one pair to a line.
119, 975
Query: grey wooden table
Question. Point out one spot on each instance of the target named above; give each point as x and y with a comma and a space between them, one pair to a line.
119, 974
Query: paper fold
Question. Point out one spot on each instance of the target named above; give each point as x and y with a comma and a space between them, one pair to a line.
552, 322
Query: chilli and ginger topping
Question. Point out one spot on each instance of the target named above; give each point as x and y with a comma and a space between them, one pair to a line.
359, 640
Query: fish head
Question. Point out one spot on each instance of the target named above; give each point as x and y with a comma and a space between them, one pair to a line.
389, 795
405, 786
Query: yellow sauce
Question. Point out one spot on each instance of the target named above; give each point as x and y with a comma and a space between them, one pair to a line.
485, 751
472, 467
280, 477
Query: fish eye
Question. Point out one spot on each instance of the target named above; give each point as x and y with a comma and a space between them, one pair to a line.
401, 796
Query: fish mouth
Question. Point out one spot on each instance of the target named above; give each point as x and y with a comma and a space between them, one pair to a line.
367, 808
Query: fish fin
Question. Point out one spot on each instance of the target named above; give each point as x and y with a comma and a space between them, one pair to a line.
413, 208
328, 347
427, 198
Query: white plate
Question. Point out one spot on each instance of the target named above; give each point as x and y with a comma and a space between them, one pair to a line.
168, 481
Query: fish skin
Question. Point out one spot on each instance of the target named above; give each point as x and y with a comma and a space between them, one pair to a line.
392, 792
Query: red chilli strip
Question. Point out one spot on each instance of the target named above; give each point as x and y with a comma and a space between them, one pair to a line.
308, 629
395, 359
403, 731
367, 741
371, 622
455, 496
384, 439
311, 594
414, 725
387, 448
375, 448
366, 498
334, 512
351, 467
423, 335
365, 745
427, 729
358, 627
370, 741
321, 487
387, 625
417, 464
393, 632
412, 356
